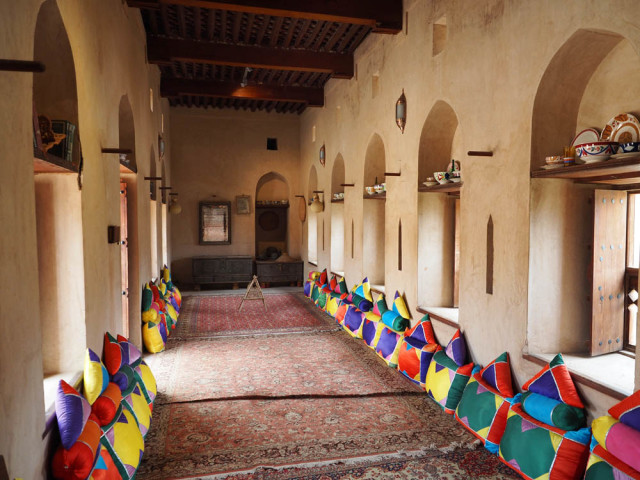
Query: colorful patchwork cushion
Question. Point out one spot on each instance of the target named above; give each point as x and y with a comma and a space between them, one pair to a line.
177, 296
72, 412
95, 378
315, 292
361, 303
445, 381
456, 349
353, 321
364, 290
132, 352
620, 440
322, 279
552, 412
333, 283
398, 318
388, 345
371, 329
537, 450
498, 375
147, 297
628, 411
124, 378
313, 275
307, 288
421, 333
173, 315
106, 405
483, 411
321, 301
78, 460
604, 466
341, 313
115, 354
124, 442
154, 337
332, 305
413, 362
147, 382
342, 287
554, 381
134, 401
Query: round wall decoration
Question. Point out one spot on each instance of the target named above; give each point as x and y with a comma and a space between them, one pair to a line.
268, 221
302, 209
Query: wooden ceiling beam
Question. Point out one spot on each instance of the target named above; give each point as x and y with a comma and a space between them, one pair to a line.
164, 51
384, 16
314, 97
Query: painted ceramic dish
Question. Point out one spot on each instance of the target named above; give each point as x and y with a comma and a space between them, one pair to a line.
596, 151
588, 135
623, 128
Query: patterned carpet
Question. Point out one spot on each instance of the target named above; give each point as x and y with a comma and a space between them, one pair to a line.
316, 405
219, 316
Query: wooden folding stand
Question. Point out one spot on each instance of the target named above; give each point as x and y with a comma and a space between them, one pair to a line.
254, 292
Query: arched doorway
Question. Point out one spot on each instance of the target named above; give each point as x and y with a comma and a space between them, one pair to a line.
271, 218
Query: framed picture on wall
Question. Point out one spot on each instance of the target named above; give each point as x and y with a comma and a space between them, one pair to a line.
215, 223
243, 204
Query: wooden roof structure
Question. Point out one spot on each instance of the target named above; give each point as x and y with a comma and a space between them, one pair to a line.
258, 54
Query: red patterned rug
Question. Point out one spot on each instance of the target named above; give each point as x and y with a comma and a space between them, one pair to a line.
208, 316
212, 437
329, 364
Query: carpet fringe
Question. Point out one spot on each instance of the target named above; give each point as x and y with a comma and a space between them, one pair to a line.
383, 457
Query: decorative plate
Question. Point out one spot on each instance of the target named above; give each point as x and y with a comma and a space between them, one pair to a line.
588, 135
623, 128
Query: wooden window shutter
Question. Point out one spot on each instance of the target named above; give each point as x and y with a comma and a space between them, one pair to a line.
609, 262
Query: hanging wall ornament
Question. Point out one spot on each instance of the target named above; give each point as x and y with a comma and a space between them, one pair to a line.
401, 112
322, 155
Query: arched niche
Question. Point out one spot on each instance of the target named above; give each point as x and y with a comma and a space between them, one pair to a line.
437, 269
58, 205
373, 241
437, 140
337, 216
272, 215
127, 131
312, 218
604, 81
561, 90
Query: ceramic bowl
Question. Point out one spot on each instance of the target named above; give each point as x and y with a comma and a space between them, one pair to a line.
596, 150
377, 188
441, 177
629, 147
455, 176
384, 187
554, 160
370, 190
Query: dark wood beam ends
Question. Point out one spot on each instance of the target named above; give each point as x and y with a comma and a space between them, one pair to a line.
314, 97
165, 50
384, 16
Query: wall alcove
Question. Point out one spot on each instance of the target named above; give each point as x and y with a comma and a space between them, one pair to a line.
438, 212
337, 216
312, 218
373, 238
58, 205
271, 217
129, 249
604, 81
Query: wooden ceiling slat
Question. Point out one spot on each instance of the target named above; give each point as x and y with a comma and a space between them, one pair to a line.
164, 15
291, 28
211, 23
384, 16
237, 22
275, 32
198, 23
321, 37
303, 28
153, 21
182, 24
223, 26
263, 29
232, 90
357, 39
272, 74
313, 34
249, 26
337, 35
162, 50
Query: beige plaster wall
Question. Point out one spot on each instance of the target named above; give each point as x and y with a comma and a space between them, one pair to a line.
106, 40
489, 72
223, 153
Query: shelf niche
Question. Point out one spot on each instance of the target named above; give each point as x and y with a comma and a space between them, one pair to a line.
373, 246
561, 214
337, 215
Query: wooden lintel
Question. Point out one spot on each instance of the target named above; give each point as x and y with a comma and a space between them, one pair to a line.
120, 151
165, 188
347, 184
161, 50
153, 178
314, 97
478, 153
22, 66
384, 16
318, 191
299, 196
391, 174
174, 193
